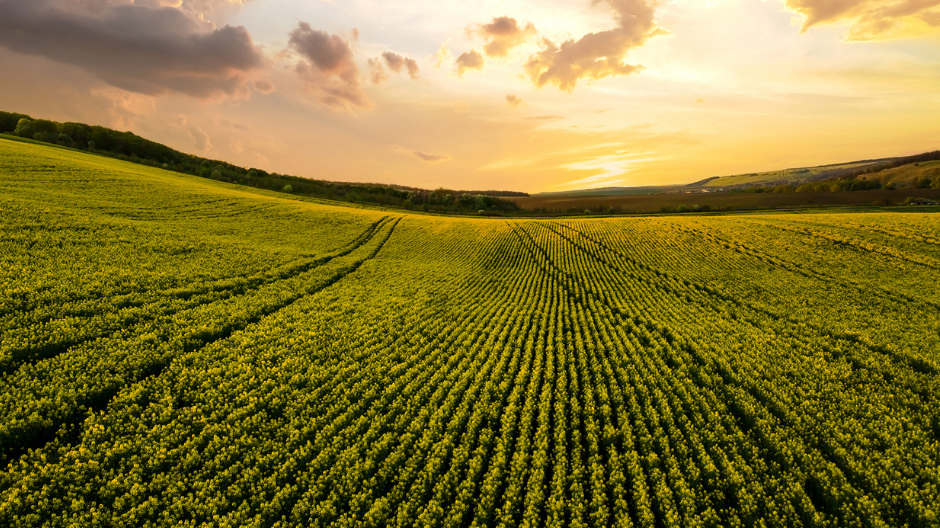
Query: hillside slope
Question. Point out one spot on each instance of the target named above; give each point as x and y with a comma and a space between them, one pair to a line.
179, 351
130, 147
778, 177
911, 175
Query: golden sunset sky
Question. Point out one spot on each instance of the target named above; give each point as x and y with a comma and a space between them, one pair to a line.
528, 95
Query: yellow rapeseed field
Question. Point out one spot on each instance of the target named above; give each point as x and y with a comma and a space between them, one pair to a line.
180, 352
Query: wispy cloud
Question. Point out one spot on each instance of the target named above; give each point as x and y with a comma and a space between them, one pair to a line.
423, 156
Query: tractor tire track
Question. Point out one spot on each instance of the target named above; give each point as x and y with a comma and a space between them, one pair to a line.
174, 301
17, 437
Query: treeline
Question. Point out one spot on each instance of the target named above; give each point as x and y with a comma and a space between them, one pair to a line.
847, 185
844, 185
127, 146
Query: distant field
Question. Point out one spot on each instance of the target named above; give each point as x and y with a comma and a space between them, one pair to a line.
719, 201
176, 351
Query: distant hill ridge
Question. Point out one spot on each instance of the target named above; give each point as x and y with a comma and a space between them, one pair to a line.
878, 172
841, 171
130, 147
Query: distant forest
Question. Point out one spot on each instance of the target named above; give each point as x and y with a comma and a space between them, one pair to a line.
130, 147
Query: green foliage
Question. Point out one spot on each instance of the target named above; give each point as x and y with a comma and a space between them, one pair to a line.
847, 185
24, 128
9, 121
179, 351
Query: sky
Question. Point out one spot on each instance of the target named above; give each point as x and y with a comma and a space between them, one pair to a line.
523, 95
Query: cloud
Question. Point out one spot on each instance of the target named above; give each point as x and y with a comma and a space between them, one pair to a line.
596, 55
264, 86
869, 19
471, 60
423, 156
503, 34
329, 70
396, 63
443, 55
200, 139
228, 123
125, 110
143, 47
545, 118
198, 7
513, 101
932, 18
377, 71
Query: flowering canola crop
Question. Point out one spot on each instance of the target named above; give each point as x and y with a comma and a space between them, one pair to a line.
176, 351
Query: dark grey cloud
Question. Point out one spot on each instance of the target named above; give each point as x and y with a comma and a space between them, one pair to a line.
471, 60
596, 55
328, 68
142, 47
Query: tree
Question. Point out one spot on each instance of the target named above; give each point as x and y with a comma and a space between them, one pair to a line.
24, 128
8, 121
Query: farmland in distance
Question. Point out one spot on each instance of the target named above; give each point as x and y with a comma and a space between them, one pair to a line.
178, 351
